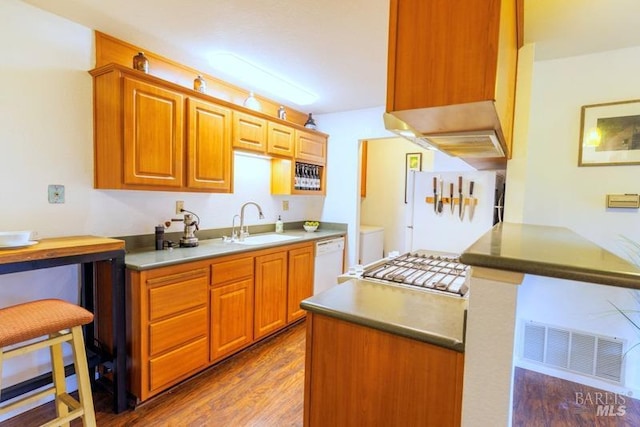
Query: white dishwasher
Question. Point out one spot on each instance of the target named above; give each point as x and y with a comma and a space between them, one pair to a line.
328, 264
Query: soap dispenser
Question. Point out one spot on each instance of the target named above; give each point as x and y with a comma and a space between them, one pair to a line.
279, 225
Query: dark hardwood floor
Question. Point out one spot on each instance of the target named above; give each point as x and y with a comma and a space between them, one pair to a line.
543, 401
264, 387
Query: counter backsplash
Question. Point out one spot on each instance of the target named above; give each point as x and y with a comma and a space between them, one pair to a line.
145, 242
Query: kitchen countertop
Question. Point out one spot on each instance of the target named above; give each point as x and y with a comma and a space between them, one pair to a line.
423, 316
148, 259
550, 251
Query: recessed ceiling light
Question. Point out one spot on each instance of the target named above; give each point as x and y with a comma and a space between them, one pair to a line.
258, 78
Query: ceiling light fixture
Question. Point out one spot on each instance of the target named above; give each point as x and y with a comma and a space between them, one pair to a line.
259, 78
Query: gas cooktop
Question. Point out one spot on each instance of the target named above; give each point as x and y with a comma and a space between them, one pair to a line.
422, 270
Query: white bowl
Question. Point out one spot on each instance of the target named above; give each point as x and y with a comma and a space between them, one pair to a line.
14, 238
310, 228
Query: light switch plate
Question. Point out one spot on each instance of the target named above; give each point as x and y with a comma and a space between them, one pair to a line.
56, 193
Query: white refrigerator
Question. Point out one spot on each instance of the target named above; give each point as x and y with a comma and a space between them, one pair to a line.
445, 231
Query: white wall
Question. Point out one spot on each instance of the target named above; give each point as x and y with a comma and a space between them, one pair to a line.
384, 204
558, 192
46, 137
346, 129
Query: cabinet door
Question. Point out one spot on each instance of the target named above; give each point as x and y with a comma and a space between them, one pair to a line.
249, 132
153, 135
280, 140
209, 146
300, 281
270, 311
231, 317
311, 147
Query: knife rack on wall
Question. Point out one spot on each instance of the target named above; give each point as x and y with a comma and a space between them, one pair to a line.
447, 200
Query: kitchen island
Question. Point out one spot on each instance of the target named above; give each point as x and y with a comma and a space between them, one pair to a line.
380, 354
501, 260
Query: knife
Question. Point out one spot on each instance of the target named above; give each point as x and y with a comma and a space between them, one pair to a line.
451, 197
472, 201
435, 194
460, 199
441, 197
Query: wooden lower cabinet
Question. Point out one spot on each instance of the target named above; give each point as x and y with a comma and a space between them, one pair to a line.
300, 280
270, 293
231, 306
356, 375
187, 317
167, 326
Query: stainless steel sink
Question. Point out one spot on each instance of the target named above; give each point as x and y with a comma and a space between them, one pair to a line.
261, 239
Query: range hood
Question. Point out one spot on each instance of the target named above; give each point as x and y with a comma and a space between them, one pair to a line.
469, 132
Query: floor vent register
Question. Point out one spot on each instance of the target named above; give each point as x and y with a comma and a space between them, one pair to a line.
576, 351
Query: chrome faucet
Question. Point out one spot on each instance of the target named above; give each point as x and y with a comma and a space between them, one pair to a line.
234, 233
245, 232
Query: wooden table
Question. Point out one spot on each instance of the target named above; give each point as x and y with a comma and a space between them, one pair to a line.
85, 251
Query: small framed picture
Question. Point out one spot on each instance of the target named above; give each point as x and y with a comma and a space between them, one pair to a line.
413, 164
610, 134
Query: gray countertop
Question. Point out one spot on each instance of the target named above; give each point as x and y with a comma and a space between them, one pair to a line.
420, 315
212, 248
550, 251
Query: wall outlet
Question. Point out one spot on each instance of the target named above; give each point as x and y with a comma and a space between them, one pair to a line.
285, 205
179, 206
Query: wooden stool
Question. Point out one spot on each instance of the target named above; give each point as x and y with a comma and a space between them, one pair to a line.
60, 321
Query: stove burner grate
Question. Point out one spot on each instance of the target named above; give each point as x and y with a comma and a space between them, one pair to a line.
441, 273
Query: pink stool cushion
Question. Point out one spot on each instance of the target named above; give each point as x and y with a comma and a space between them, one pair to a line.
34, 319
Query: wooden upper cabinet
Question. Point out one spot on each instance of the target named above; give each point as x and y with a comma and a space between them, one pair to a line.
209, 163
452, 65
150, 134
280, 140
153, 135
311, 147
249, 132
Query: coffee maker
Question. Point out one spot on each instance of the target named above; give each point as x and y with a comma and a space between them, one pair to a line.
191, 222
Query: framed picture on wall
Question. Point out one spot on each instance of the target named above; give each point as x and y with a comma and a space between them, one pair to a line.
610, 134
413, 163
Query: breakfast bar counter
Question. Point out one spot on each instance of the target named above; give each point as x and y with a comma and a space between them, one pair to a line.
501, 260
552, 252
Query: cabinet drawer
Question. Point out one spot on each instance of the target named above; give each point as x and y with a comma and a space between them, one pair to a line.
169, 333
225, 271
174, 298
175, 365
